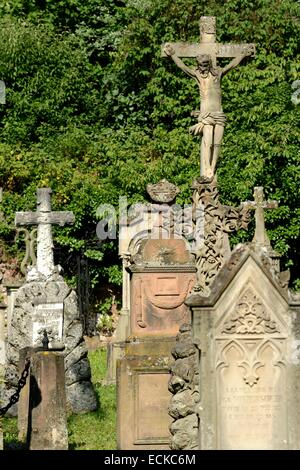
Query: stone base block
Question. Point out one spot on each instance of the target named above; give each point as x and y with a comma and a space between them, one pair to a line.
143, 396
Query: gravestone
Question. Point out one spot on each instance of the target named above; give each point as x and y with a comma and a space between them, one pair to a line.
162, 273
142, 220
245, 364
46, 303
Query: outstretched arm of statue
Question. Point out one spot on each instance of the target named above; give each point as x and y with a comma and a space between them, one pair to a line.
236, 61
171, 53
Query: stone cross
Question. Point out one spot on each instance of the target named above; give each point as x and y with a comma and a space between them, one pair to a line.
2, 92
259, 205
208, 44
44, 218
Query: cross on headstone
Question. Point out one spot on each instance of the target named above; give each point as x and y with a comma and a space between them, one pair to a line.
208, 44
2, 92
260, 205
44, 218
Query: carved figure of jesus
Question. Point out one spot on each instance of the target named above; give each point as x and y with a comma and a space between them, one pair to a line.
211, 119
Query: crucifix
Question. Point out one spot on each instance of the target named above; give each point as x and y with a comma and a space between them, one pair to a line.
44, 218
208, 75
260, 205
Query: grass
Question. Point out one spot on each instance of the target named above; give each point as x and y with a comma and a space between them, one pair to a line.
89, 431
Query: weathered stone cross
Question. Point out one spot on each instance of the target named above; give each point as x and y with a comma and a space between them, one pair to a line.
44, 218
208, 44
2, 92
259, 205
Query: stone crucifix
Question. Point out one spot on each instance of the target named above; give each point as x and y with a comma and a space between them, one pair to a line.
260, 205
211, 119
44, 218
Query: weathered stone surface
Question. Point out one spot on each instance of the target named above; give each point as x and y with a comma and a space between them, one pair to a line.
162, 275
247, 332
81, 397
143, 396
182, 404
35, 293
184, 384
78, 371
182, 350
213, 249
184, 368
185, 433
47, 402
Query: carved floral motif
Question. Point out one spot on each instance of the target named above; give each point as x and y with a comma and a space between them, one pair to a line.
250, 317
219, 220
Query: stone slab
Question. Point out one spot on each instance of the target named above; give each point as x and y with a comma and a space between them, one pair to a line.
143, 396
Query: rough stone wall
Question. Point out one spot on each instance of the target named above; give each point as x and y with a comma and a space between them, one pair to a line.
79, 389
184, 385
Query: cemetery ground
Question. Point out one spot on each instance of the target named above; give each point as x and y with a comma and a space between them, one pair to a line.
89, 431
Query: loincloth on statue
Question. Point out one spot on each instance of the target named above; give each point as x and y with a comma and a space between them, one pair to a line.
207, 119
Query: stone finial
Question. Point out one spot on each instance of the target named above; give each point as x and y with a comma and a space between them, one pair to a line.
207, 29
163, 191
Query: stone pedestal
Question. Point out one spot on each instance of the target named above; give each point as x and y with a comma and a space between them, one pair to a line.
42, 411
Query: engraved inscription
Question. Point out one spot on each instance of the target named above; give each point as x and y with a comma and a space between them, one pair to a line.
251, 394
47, 317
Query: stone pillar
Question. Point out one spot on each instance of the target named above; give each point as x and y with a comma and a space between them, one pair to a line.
42, 409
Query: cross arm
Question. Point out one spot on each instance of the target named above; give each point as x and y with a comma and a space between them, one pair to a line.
192, 50
36, 218
170, 52
237, 60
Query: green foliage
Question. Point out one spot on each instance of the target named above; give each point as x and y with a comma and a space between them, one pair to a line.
102, 421
94, 112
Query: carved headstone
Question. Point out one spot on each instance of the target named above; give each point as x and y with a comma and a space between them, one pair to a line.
45, 306
247, 336
162, 273
149, 220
